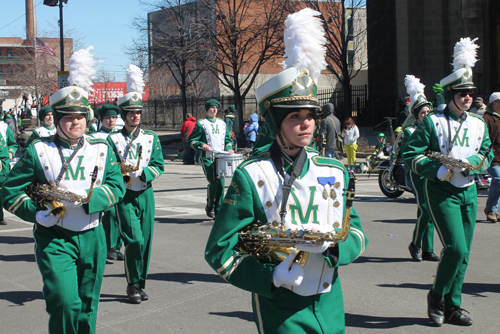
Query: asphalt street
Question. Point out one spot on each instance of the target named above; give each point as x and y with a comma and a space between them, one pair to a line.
384, 290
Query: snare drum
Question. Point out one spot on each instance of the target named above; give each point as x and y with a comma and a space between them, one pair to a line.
226, 164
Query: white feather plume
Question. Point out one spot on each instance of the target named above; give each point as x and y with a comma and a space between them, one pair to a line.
135, 82
464, 53
304, 43
81, 68
413, 86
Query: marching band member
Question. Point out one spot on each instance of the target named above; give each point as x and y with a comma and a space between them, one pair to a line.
135, 213
4, 169
47, 127
450, 189
108, 114
210, 134
8, 138
290, 184
422, 244
70, 248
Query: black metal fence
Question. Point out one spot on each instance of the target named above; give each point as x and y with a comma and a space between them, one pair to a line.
168, 113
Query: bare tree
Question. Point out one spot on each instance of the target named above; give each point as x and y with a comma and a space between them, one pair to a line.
175, 42
345, 32
244, 35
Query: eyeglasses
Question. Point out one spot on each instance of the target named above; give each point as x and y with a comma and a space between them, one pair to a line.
464, 94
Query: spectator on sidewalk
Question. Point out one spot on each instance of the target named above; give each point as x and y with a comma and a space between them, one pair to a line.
492, 119
351, 135
330, 127
186, 130
479, 106
230, 118
251, 130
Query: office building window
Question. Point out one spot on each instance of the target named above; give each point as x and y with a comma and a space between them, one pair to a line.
9, 53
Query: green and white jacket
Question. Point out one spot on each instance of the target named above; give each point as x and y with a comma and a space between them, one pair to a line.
433, 134
40, 132
41, 163
213, 133
316, 201
8, 136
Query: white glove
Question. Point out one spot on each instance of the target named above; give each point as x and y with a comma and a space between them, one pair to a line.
314, 248
69, 204
283, 276
137, 173
45, 218
443, 173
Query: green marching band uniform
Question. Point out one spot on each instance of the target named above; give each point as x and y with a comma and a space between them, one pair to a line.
109, 221
70, 250
8, 139
313, 302
4, 170
451, 195
44, 130
214, 133
422, 244
135, 213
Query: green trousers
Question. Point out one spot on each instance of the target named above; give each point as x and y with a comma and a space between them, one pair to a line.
287, 312
453, 211
215, 188
72, 268
111, 230
2, 180
135, 215
423, 234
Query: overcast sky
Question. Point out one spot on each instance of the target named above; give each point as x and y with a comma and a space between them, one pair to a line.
105, 24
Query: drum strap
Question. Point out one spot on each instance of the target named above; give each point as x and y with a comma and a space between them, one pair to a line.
297, 167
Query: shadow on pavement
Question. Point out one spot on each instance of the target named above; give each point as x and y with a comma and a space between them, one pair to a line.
475, 289
21, 297
374, 322
397, 221
16, 240
372, 259
104, 298
179, 220
186, 278
383, 199
18, 257
248, 316
179, 189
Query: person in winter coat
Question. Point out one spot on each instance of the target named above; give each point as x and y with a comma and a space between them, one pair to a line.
330, 125
351, 135
186, 130
251, 130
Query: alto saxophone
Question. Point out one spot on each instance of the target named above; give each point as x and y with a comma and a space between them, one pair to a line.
450, 162
126, 168
50, 197
272, 244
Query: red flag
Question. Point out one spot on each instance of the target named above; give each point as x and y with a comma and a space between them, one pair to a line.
42, 47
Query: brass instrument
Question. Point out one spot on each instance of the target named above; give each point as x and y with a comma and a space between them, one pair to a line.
126, 168
50, 196
272, 244
450, 162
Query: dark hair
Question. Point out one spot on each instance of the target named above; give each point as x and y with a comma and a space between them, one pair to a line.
349, 121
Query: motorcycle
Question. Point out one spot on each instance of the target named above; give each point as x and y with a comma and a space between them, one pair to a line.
392, 178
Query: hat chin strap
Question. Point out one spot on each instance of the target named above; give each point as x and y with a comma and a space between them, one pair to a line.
455, 103
68, 137
285, 146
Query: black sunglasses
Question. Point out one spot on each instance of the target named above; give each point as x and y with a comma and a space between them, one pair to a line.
464, 94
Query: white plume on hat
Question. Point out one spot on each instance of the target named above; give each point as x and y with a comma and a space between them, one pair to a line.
464, 53
81, 68
413, 86
135, 82
304, 43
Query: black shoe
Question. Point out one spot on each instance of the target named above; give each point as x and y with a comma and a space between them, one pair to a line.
435, 308
112, 254
454, 315
188, 163
3, 222
415, 252
144, 296
133, 294
120, 256
429, 256
210, 212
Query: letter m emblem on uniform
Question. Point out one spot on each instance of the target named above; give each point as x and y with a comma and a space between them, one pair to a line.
298, 213
78, 174
215, 130
464, 141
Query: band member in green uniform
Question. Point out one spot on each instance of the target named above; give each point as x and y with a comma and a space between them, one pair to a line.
47, 127
8, 138
140, 149
422, 244
289, 186
70, 247
449, 187
211, 135
108, 114
4, 168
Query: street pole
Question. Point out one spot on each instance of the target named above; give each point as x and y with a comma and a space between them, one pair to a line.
61, 42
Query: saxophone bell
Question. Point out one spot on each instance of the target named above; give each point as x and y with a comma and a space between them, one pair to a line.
126, 168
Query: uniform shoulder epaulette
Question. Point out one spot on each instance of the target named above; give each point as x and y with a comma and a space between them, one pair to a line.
92, 140
43, 139
311, 150
477, 116
436, 112
319, 160
263, 156
149, 132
